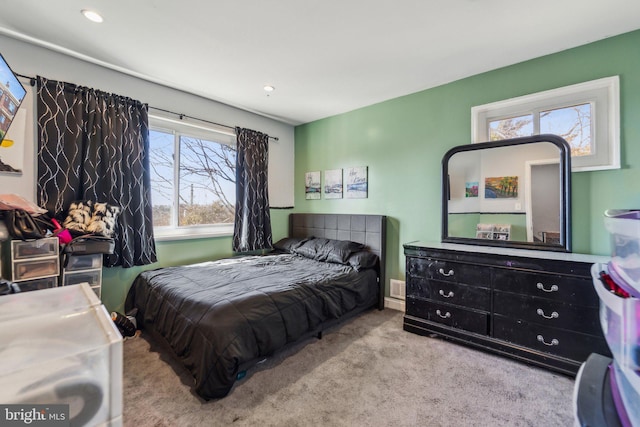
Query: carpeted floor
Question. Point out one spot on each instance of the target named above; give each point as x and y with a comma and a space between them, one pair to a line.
365, 372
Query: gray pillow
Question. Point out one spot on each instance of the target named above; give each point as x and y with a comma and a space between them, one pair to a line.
288, 244
328, 250
363, 259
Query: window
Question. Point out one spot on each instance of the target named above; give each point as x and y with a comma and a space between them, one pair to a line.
192, 179
586, 115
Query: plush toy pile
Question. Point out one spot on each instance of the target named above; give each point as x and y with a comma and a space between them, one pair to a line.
89, 217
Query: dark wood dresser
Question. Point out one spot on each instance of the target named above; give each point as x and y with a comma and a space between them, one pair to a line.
534, 306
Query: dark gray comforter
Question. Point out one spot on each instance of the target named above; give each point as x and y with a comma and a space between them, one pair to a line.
220, 316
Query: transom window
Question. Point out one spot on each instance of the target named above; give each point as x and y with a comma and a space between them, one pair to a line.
192, 179
586, 115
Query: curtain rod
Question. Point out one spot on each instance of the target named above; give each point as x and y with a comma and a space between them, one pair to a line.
32, 82
181, 116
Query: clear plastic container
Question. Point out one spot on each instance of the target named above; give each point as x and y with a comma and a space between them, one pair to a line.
71, 354
38, 284
624, 227
619, 278
620, 321
93, 277
35, 268
628, 385
21, 249
47, 302
83, 262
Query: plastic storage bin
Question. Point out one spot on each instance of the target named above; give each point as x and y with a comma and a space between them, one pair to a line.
593, 402
624, 227
59, 346
35, 268
38, 284
22, 249
47, 302
620, 321
628, 385
83, 262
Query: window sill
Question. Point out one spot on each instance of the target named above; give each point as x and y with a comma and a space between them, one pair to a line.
188, 233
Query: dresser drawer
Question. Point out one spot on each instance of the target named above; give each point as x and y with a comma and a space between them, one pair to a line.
450, 292
35, 268
83, 262
547, 312
576, 290
38, 284
21, 249
475, 275
456, 317
92, 277
560, 342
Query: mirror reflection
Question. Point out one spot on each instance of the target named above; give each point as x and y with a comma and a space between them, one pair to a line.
508, 193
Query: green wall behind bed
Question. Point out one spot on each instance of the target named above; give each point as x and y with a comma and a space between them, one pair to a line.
402, 142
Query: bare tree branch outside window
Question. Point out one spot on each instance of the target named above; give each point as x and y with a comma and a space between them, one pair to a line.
571, 123
206, 188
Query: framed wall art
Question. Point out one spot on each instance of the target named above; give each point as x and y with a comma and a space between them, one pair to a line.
356, 182
333, 184
471, 189
502, 187
312, 185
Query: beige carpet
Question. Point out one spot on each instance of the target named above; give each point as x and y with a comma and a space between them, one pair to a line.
365, 372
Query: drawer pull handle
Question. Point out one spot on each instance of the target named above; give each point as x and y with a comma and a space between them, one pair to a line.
448, 295
441, 271
445, 316
554, 314
554, 288
553, 341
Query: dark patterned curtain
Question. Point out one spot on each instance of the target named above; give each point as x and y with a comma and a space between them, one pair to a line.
94, 146
252, 229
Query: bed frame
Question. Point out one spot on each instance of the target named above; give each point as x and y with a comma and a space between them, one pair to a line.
370, 230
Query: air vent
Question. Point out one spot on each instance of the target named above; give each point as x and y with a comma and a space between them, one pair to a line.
397, 289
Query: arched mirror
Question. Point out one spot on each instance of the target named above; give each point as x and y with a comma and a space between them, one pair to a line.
510, 193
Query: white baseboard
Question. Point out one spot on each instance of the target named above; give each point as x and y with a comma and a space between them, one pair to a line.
394, 304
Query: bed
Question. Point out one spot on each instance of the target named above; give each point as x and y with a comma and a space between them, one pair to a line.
222, 317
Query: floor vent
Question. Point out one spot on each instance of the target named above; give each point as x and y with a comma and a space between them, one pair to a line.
397, 289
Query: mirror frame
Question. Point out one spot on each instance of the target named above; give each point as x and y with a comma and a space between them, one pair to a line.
565, 193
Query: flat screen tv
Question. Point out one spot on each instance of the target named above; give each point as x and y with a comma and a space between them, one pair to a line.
11, 95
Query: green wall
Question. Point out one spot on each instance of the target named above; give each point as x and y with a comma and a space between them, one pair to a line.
402, 141
117, 281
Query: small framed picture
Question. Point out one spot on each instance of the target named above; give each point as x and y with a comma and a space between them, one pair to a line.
333, 184
356, 182
312, 185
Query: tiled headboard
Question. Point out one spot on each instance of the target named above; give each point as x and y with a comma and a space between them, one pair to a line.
369, 230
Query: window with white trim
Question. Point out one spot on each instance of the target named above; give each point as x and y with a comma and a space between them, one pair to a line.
192, 179
586, 115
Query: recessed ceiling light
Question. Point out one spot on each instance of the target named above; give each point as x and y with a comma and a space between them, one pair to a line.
92, 15
269, 88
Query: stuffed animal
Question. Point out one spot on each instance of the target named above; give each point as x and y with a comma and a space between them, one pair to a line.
78, 216
103, 219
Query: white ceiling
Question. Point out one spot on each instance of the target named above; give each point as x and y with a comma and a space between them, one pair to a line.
324, 57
